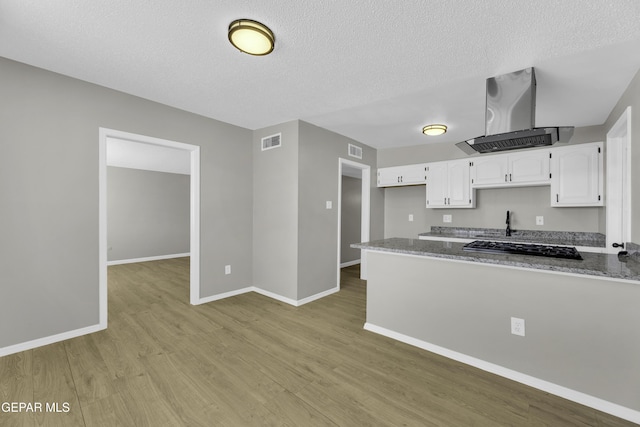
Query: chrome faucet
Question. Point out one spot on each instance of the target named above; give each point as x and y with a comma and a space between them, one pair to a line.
508, 231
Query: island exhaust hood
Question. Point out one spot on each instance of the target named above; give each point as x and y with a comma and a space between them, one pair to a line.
510, 117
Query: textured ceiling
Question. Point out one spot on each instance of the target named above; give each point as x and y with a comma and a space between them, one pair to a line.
376, 71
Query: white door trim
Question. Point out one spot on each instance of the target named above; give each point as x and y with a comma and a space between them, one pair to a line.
194, 150
618, 203
365, 208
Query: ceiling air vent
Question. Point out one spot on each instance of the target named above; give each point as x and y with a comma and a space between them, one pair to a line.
355, 151
273, 141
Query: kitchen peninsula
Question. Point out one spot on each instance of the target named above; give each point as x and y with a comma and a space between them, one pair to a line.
581, 339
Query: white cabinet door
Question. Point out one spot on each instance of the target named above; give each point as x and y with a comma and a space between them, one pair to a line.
414, 174
459, 184
402, 175
489, 171
449, 185
389, 176
529, 168
437, 190
576, 175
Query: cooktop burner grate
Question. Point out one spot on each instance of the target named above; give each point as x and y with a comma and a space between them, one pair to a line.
523, 249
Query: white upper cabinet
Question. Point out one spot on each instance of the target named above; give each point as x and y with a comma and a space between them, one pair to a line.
402, 175
449, 185
527, 168
437, 185
577, 175
489, 171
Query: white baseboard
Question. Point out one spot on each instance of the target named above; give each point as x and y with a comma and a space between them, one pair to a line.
323, 294
564, 392
349, 263
275, 296
290, 301
224, 295
17, 348
145, 259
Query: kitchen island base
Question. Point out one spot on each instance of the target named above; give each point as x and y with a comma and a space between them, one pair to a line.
581, 342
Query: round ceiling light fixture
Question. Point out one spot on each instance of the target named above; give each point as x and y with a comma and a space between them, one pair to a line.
251, 37
434, 130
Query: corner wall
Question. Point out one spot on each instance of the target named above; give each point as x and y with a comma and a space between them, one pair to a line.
275, 212
318, 176
295, 242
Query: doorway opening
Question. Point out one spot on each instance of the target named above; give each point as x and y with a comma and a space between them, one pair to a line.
193, 153
619, 184
355, 171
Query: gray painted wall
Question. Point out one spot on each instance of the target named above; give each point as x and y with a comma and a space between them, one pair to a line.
631, 97
275, 212
350, 218
490, 212
295, 240
49, 203
318, 178
491, 204
581, 332
148, 213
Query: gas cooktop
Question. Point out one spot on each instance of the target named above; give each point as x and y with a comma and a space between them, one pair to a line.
523, 249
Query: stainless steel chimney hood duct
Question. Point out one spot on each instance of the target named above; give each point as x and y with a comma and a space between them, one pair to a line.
510, 117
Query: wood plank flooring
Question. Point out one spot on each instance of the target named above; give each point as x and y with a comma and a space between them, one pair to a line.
252, 361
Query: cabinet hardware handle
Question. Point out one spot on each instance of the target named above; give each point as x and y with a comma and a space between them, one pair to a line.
557, 198
618, 245
510, 178
505, 177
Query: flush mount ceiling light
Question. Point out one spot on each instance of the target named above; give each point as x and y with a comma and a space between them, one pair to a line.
434, 130
251, 37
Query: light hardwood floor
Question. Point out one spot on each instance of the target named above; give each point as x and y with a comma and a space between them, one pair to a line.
250, 360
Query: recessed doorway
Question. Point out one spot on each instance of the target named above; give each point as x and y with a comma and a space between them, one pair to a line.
193, 154
361, 172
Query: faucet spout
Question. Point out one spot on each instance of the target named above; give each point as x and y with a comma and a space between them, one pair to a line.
508, 230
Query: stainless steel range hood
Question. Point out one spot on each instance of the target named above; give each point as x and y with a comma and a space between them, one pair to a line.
510, 117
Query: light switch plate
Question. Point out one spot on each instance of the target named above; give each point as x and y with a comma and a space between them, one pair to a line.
446, 218
410, 217
329, 204
227, 269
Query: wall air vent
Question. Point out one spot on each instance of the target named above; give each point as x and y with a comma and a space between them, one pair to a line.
355, 151
273, 141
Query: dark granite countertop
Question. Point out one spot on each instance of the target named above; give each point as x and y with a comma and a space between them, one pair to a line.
593, 264
571, 238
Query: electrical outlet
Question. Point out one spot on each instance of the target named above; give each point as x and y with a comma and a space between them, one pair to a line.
447, 218
329, 204
539, 220
517, 326
411, 217
227, 269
